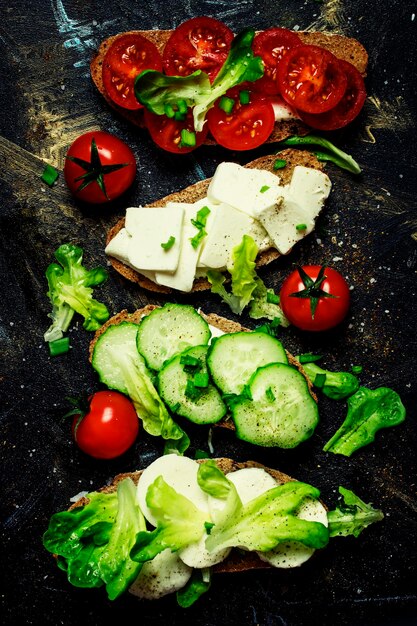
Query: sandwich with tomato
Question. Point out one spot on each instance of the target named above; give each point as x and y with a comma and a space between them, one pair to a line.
201, 83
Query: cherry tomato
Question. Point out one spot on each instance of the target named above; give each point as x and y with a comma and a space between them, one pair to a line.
166, 132
108, 428
127, 56
315, 297
347, 109
310, 79
272, 45
201, 43
247, 126
99, 167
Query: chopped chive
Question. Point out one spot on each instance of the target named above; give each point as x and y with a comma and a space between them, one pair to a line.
272, 297
59, 346
187, 359
168, 244
182, 107
270, 395
226, 104
196, 240
179, 117
208, 526
244, 97
279, 164
357, 369
320, 381
264, 188
201, 379
301, 227
199, 222
169, 110
191, 391
188, 139
309, 358
49, 175
175, 408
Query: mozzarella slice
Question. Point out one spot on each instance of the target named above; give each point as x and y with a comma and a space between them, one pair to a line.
179, 472
260, 236
150, 227
196, 555
281, 221
166, 573
118, 248
309, 188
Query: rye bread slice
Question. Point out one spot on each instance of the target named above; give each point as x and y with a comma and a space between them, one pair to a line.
199, 190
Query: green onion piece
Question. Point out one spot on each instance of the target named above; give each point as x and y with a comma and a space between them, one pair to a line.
175, 408
187, 359
169, 110
188, 139
179, 117
208, 526
272, 298
191, 391
182, 107
168, 244
195, 241
337, 156
279, 164
226, 104
357, 369
199, 222
309, 358
244, 97
301, 227
59, 346
201, 454
264, 188
319, 381
201, 379
49, 175
270, 395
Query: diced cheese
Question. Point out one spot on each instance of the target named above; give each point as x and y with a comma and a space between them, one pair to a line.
150, 227
309, 188
225, 232
249, 190
260, 236
118, 248
164, 574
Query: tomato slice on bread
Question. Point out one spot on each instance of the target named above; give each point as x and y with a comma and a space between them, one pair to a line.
311, 79
201, 43
127, 57
347, 109
173, 135
272, 45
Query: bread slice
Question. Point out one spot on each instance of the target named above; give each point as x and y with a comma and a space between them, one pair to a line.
342, 47
198, 191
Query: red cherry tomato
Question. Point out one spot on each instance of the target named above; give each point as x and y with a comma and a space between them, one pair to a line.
166, 132
272, 45
310, 79
201, 43
315, 298
247, 126
99, 167
109, 428
347, 109
127, 57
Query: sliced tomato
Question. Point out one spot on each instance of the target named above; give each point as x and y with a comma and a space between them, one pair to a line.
127, 57
272, 45
347, 109
201, 43
167, 132
247, 126
311, 79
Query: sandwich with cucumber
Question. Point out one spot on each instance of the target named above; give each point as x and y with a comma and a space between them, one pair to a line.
173, 525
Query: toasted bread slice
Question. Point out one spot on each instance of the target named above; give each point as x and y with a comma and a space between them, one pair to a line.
198, 191
342, 47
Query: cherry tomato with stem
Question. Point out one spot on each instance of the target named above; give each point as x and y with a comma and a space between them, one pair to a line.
315, 298
99, 167
272, 45
128, 56
106, 425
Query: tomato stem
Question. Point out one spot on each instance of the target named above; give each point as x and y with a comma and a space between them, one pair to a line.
312, 289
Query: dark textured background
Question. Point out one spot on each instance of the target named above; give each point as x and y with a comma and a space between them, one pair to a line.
47, 99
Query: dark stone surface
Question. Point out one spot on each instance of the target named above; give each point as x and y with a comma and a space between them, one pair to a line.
47, 100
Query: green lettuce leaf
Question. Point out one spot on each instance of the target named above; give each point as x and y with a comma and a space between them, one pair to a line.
351, 517
198, 584
337, 385
260, 308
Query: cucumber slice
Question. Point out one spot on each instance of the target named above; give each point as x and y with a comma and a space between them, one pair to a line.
119, 340
170, 330
208, 407
234, 357
281, 411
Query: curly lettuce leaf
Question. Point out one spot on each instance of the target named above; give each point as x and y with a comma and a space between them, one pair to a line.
351, 517
198, 584
368, 411
336, 385
261, 307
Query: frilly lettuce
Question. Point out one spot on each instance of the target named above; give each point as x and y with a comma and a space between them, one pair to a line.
351, 517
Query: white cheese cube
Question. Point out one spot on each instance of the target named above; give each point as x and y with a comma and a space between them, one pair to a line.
150, 227
309, 188
225, 232
118, 248
281, 220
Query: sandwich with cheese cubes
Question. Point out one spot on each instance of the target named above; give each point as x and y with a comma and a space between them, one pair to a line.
174, 242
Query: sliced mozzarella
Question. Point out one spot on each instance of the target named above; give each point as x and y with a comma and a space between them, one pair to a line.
309, 188
166, 573
293, 553
282, 110
281, 221
260, 236
179, 472
150, 227
248, 190
118, 248
225, 232
196, 555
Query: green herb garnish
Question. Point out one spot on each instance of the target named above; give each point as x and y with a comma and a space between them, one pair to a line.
168, 244
49, 175
226, 104
279, 164
244, 96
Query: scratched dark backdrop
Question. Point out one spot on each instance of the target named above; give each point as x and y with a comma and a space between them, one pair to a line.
47, 99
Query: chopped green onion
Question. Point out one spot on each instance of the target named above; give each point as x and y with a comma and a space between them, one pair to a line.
270, 395
264, 188
244, 97
168, 244
187, 359
319, 381
59, 346
272, 298
357, 369
175, 408
191, 391
301, 227
279, 164
309, 358
199, 222
49, 175
169, 110
208, 526
188, 139
226, 104
179, 117
195, 241
201, 379
182, 107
